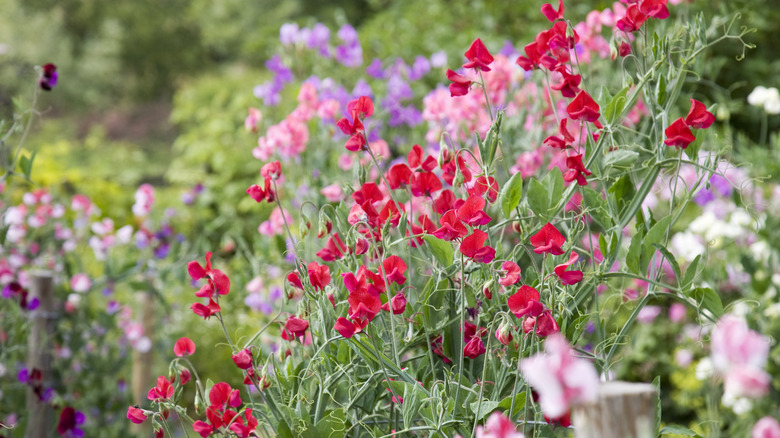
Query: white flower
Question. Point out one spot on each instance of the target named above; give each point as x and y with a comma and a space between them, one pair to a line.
704, 369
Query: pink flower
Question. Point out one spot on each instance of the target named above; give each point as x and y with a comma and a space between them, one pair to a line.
253, 119
243, 359
144, 199
739, 355
766, 427
136, 415
560, 378
332, 193
498, 426
474, 348
184, 347
80, 283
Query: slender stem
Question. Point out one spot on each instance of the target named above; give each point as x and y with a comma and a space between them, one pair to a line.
462, 310
484, 92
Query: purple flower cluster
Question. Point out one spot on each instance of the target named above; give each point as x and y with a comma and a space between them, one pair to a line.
350, 52
316, 38
270, 91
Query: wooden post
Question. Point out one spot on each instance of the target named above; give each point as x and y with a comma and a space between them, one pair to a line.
142, 362
621, 410
41, 419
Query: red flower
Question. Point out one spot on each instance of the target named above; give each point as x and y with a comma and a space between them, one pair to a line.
558, 142
272, 170
261, 194
369, 192
398, 303
243, 359
399, 175
679, 134
358, 108
460, 84
472, 213
425, 183
394, 267
319, 275
511, 274
551, 13
221, 396
474, 348
525, 302
478, 55
294, 280
535, 57
294, 328
185, 376
548, 240
415, 159
570, 85
545, 324
698, 117
217, 280
576, 170
583, 107
162, 391
654, 8
633, 20
436, 347
205, 311
242, 429
334, 249
504, 334
444, 201
473, 247
569, 277
451, 227
344, 327
136, 415
484, 185
184, 347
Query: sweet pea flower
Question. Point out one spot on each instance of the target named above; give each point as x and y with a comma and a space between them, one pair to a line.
184, 347
560, 378
766, 427
136, 415
739, 355
80, 283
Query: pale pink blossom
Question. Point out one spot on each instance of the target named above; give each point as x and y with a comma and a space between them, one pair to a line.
498, 426
766, 427
677, 312
144, 199
275, 223
80, 283
560, 378
739, 355
333, 192
328, 109
253, 119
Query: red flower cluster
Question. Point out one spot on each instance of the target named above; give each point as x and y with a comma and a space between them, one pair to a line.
270, 172
365, 291
218, 283
359, 108
472, 335
679, 132
221, 417
638, 12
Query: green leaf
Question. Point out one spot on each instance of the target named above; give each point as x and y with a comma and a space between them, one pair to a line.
555, 182
25, 164
634, 252
622, 191
486, 407
672, 260
678, 430
621, 159
690, 273
692, 151
510, 194
656, 234
597, 207
615, 106
332, 425
708, 299
519, 403
660, 90
538, 197
441, 250
657, 385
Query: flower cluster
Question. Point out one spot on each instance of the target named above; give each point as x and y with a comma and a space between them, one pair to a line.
679, 132
217, 284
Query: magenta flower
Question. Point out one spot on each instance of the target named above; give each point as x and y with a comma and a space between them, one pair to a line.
739, 355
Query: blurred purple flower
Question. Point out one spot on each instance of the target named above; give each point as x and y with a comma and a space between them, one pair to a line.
375, 69
420, 68
276, 65
439, 59
348, 34
318, 38
508, 50
288, 34
362, 89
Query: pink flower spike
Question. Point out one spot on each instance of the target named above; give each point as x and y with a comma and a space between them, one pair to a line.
184, 347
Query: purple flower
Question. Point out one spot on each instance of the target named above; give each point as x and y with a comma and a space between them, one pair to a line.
49, 77
362, 89
420, 68
508, 50
350, 55
348, 34
288, 34
439, 59
375, 69
24, 375
318, 38
283, 74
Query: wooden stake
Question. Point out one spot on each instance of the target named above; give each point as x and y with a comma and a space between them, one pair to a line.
621, 410
41, 415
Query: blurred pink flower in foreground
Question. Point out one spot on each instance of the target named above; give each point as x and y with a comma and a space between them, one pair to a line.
497, 426
766, 427
739, 355
560, 378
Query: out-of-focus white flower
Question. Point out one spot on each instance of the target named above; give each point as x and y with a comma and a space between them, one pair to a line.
769, 98
687, 245
704, 369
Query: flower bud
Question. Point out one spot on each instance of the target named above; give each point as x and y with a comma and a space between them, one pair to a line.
504, 334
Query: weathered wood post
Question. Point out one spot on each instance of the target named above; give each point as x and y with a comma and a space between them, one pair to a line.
41, 415
142, 362
621, 410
